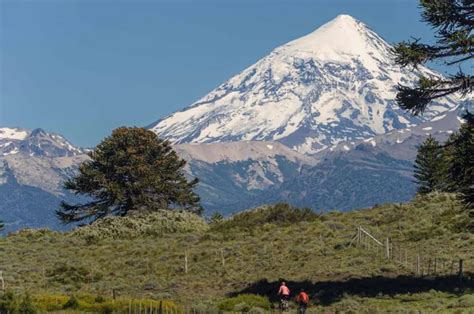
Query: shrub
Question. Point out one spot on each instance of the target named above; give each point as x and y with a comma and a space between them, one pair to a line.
244, 303
279, 214
72, 303
8, 302
216, 218
256, 310
349, 304
141, 225
464, 301
70, 275
47, 302
26, 306
202, 308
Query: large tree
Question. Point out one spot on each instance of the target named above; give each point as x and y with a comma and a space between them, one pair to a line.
1, 225
453, 23
131, 170
430, 167
460, 152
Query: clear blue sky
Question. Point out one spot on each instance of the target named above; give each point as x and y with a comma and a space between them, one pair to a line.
82, 68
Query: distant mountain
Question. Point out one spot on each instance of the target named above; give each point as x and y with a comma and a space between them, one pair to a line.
33, 166
35, 143
357, 174
336, 84
236, 175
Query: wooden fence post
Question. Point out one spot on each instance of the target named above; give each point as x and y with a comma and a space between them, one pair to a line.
186, 261
406, 259
429, 266
435, 264
387, 248
271, 250
358, 236
418, 264
461, 269
222, 257
2, 281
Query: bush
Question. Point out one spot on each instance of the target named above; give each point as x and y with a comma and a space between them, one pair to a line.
48, 302
95, 304
202, 308
257, 310
8, 302
349, 305
72, 303
216, 218
26, 306
141, 225
70, 275
244, 303
464, 301
279, 214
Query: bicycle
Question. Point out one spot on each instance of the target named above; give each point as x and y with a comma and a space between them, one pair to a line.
284, 306
302, 308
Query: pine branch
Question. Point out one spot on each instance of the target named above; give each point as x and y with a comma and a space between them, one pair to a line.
415, 99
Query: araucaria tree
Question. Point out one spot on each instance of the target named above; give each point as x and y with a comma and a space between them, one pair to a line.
430, 167
132, 170
460, 154
453, 21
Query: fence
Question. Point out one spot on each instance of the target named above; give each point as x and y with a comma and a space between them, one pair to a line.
416, 263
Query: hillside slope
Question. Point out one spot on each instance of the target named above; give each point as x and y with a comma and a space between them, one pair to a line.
258, 247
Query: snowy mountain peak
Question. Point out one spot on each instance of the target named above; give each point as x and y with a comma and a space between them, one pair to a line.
341, 39
12, 134
35, 142
332, 85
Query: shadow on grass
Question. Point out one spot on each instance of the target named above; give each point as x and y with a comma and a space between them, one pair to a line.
328, 292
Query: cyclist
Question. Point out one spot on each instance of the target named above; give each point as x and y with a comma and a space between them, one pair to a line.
284, 292
302, 299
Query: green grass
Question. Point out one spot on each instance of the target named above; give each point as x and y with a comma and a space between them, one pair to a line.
143, 258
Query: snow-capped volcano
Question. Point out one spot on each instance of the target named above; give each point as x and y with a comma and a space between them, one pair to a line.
334, 84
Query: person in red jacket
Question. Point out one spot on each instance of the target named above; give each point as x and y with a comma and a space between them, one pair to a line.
302, 299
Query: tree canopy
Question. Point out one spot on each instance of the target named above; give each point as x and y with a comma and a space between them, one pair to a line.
453, 23
430, 167
460, 155
131, 170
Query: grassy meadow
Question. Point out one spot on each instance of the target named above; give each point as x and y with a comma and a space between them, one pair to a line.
236, 264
